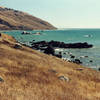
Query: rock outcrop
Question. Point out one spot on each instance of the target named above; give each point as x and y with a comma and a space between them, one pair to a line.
58, 44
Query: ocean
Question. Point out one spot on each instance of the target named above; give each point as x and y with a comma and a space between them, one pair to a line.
90, 56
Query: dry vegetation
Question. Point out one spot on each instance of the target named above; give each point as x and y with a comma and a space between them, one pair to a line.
28, 75
16, 20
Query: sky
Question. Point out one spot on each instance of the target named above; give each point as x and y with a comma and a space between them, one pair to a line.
61, 13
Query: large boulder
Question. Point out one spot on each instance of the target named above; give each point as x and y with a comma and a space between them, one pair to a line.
49, 50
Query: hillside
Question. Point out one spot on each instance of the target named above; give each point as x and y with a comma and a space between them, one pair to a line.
26, 74
16, 20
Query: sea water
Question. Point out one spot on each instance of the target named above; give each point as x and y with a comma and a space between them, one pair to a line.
91, 36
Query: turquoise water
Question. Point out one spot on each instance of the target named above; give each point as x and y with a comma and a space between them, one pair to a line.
68, 36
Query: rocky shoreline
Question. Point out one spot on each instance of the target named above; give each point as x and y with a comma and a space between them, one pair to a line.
58, 44
49, 48
26, 74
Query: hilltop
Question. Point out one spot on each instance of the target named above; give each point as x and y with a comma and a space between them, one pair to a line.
27, 74
11, 19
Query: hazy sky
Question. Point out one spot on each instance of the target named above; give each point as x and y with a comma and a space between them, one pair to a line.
61, 13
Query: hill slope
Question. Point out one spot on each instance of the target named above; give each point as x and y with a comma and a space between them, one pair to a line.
16, 20
30, 75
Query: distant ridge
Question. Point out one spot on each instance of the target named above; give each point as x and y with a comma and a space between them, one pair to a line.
11, 19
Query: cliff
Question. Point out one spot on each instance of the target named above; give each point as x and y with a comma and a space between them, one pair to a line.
11, 19
26, 74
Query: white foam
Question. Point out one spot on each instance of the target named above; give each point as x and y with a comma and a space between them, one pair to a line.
57, 49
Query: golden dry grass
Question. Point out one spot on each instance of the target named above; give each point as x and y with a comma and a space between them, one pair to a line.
27, 75
12, 19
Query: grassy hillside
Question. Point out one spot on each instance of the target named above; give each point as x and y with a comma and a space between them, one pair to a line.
11, 19
27, 74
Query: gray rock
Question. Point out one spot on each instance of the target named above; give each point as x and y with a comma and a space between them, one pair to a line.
64, 78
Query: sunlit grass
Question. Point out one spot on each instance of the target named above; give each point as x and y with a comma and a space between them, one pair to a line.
27, 76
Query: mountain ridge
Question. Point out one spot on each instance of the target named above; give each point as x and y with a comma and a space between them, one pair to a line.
11, 19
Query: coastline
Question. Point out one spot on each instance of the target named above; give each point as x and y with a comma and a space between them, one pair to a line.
29, 74
62, 37
44, 34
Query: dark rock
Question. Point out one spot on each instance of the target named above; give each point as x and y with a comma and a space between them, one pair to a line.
48, 47
79, 45
72, 56
58, 55
91, 61
86, 56
64, 53
36, 47
99, 69
0, 34
49, 50
63, 45
77, 61
17, 46
24, 33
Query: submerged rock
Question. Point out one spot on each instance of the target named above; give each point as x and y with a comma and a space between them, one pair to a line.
91, 61
24, 33
99, 69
